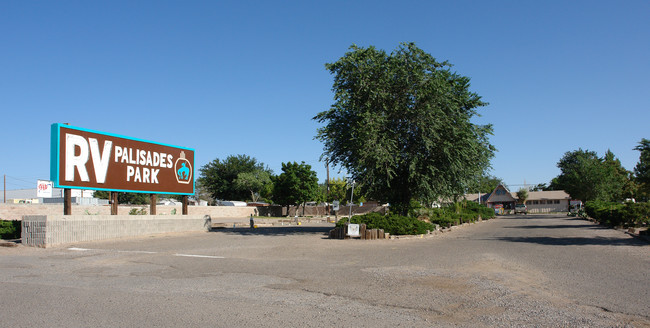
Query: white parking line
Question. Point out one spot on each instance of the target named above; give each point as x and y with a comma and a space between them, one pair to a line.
77, 249
200, 256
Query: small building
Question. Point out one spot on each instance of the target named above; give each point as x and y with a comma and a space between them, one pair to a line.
501, 196
548, 201
537, 201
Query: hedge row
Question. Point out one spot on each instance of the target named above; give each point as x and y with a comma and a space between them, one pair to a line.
456, 214
9, 229
617, 214
416, 223
393, 223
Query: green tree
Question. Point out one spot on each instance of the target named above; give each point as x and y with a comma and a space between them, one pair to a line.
340, 190
133, 198
296, 185
540, 187
522, 194
218, 177
401, 126
485, 184
587, 177
253, 182
617, 179
554, 185
642, 169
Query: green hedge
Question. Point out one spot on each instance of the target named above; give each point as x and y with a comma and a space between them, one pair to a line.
455, 214
393, 224
416, 224
618, 214
9, 229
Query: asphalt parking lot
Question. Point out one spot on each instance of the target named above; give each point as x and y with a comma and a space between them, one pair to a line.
535, 270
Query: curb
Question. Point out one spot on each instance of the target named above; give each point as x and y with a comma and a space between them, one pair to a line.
5, 243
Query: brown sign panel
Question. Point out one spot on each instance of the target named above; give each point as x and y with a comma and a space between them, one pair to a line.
86, 159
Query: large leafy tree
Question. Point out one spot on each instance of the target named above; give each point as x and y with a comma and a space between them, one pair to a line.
642, 168
586, 177
296, 184
219, 177
401, 125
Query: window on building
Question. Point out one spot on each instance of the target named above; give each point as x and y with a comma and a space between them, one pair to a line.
557, 201
542, 202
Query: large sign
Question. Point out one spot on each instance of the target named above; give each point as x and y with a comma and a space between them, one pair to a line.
86, 159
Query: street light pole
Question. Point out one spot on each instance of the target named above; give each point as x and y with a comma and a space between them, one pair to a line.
351, 202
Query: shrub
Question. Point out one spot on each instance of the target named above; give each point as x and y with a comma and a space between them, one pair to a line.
617, 214
459, 212
393, 224
10, 229
135, 211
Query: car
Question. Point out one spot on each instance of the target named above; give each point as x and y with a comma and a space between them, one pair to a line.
521, 208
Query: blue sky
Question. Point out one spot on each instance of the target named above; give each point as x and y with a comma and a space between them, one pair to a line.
246, 77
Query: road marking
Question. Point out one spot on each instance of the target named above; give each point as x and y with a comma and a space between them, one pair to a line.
200, 256
77, 249
138, 252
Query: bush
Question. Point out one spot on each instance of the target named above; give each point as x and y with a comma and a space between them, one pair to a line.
415, 223
617, 214
393, 224
135, 211
460, 212
10, 229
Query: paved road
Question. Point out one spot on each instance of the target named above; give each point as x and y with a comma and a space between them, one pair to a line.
541, 271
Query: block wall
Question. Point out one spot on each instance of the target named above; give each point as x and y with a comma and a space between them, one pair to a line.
17, 211
51, 230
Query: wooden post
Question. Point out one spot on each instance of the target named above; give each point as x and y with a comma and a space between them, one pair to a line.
152, 204
185, 201
114, 203
362, 231
67, 201
67, 198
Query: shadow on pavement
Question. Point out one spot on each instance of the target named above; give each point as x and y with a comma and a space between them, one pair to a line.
577, 241
557, 226
277, 231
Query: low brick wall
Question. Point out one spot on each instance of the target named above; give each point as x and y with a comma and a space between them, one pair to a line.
51, 230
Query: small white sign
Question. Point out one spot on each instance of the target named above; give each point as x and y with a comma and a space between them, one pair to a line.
335, 205
44, 188
353, 230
